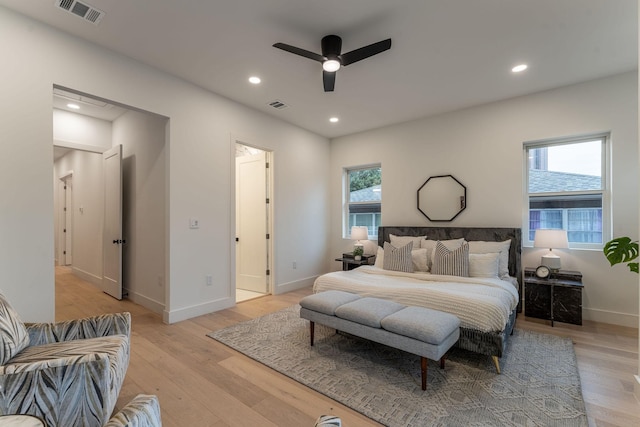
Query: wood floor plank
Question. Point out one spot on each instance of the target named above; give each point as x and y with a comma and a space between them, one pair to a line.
200, 381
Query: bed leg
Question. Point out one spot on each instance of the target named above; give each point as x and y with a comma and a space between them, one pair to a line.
496, 361
311, 331
423, 369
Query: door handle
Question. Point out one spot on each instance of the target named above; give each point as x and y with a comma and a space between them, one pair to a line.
117, 242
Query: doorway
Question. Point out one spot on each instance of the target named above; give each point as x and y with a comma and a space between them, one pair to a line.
119, 226
253, 222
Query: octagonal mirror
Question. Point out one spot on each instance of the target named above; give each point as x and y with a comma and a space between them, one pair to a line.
442, 198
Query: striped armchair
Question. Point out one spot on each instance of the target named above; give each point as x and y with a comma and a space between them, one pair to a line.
67, 373
142, 411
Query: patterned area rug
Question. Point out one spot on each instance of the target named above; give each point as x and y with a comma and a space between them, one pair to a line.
539, 384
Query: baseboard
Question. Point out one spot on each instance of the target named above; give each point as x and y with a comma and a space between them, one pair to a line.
151, 304
611, 317
292, 286
86, 276
181, 314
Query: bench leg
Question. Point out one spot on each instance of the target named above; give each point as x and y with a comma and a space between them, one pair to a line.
423, 369
311, 331
496, 362
442, 362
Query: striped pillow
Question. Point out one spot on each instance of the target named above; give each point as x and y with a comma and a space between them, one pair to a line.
398, 259
451, 263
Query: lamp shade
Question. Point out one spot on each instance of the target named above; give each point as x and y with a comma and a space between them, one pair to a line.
551, 239
359, 233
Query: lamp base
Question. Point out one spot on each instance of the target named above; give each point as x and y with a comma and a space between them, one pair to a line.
552, 261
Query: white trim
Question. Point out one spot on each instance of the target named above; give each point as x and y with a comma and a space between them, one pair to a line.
86, 276
81, 147
611, 317
151, 304
181, 314
295, 285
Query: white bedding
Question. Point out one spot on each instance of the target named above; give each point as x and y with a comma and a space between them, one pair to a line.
480, 303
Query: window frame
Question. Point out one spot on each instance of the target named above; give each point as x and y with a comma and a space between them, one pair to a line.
604, 191
346, 198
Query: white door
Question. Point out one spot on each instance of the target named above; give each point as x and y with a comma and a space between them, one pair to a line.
251, 223
67, 229
113, 239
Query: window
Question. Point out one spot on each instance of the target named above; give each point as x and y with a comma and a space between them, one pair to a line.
566, 189
363, 198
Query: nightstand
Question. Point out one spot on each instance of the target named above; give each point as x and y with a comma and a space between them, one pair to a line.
557, 298
349, 262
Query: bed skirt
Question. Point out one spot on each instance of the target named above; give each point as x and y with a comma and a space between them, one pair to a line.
489, 343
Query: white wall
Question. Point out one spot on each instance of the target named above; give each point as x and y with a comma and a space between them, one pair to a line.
77, 131
199, 171
144, 217
482, 147
87, 210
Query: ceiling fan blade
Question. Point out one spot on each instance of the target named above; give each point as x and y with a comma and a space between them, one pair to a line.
329, 80
365, 52
301, 52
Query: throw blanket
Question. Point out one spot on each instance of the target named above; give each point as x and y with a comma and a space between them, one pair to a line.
483, 304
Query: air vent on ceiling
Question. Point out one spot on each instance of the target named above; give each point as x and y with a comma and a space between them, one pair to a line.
82, 10
277, 104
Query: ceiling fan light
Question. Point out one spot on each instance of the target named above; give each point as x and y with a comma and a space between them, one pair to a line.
331, 65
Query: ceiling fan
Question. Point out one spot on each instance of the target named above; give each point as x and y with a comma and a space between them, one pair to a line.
332, 59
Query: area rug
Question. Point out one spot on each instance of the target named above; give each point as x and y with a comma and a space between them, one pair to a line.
539, 384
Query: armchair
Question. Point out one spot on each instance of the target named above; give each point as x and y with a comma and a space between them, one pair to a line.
142, 411
67, 373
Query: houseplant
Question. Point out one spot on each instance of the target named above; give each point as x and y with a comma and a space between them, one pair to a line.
358, 251
622, 250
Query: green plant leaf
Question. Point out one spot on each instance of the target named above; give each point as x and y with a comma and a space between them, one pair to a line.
621, 249
633, 266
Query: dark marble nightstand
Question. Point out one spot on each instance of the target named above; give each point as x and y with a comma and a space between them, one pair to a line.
557, 298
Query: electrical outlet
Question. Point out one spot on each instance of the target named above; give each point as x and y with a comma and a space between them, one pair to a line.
209, 280
194, 223
295, 265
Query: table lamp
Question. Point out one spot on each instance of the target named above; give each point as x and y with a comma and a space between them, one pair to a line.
552, 239
359, 233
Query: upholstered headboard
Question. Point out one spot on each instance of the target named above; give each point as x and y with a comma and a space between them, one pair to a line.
491, 234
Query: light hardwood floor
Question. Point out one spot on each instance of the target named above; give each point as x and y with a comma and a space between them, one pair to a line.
201, 382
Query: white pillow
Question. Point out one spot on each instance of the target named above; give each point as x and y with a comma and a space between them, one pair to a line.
430, 245
483, 265
379, 258
420, 260
482, 247
399, 241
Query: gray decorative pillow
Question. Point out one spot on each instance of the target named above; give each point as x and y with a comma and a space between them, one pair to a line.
13, 333
398, 259
451, 263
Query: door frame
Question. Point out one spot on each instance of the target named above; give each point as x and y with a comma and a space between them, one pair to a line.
269, 155
64, 217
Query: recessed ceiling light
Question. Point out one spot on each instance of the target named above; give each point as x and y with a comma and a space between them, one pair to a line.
519, 68
255, 80
334, 120
73, 106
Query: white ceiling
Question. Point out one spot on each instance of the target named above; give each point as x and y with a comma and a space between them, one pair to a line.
446, 54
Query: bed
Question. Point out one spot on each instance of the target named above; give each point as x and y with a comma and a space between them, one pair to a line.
486, 306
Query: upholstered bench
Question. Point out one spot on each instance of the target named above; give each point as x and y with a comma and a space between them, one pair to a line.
417, 330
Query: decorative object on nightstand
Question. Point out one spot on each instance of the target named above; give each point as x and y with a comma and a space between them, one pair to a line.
557, 299
359, 233
552, 239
